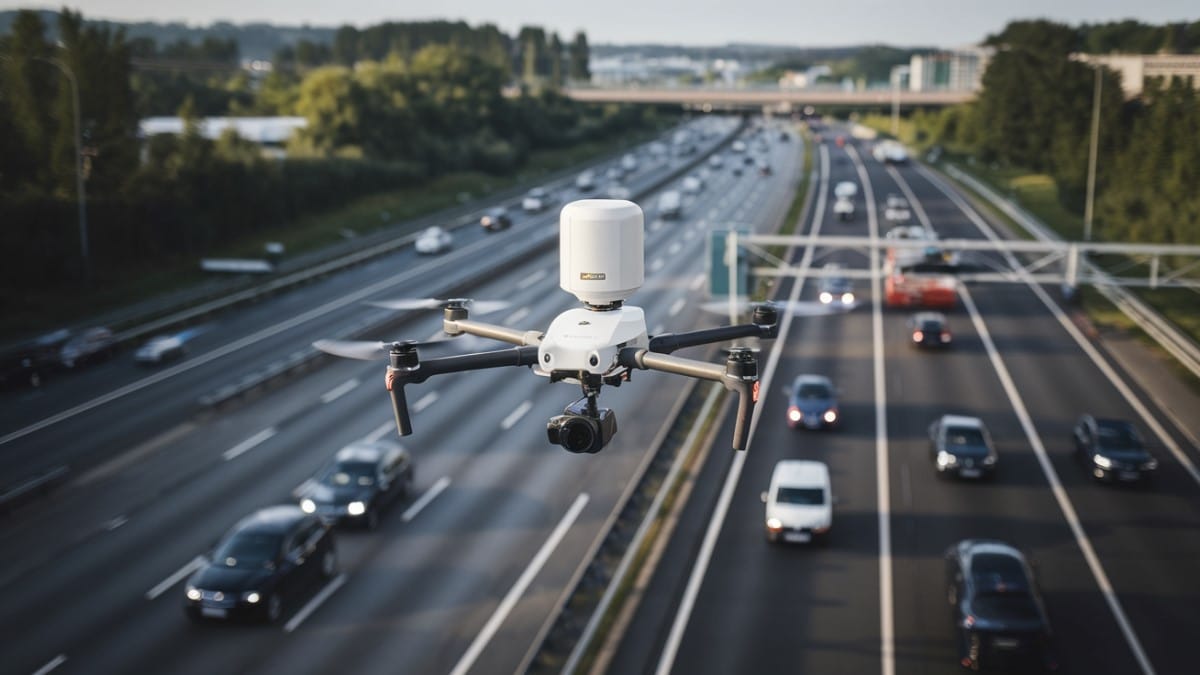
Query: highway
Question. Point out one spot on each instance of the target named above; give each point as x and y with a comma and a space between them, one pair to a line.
460, 578
1116, 563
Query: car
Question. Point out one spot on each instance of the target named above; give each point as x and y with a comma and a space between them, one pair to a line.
161, 348
997, 611
929, 329
715, 161
670, 204
537, 199
812, 403
495, 219
764, 169
896, 209
840, 141
799, 502
1112, 449
618, 191
692, 185
613, 173
748, 160
843, 208
845, 189
835, 288
784, 136
586, 181
629, 163
359, 483
738, 146
90, 345
961, 445
433, 240
889, 152
266, 561
27, 364
737, 169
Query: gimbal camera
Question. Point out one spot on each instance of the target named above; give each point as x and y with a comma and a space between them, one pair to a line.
601, 263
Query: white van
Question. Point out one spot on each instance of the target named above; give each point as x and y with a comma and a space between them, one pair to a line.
670, 204
799, 502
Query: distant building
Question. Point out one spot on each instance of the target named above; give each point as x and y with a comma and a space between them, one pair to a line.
954, 70
1136, 68
803, 80
270, 132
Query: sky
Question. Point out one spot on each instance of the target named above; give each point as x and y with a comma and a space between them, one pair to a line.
940, 23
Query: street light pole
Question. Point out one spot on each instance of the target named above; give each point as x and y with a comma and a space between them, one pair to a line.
1095, 142
897, 73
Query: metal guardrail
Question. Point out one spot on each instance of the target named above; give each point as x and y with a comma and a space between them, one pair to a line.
1167, 335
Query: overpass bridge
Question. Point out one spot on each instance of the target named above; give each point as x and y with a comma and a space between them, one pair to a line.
731, 97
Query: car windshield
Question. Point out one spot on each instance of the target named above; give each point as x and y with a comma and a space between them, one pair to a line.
811, 391
798, 495
964, 437
1118, 437
1010, 606
248, 550
343, 474
931, 326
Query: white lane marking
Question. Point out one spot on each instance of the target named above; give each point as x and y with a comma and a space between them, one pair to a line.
700, 566
425, 401
510, 601
531, 279
657, 265
340, 390
1056, 487
430, 494
516, 415
678, 306
54, 663
185, 571
698, 282
883, 490
1116, 380
115, 523
674, 248
317, 601
380, 431
516, 316
249, 443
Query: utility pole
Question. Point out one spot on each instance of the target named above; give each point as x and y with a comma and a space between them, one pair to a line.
1091, 178
898, 72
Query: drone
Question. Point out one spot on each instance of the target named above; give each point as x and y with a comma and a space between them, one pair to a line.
601, 259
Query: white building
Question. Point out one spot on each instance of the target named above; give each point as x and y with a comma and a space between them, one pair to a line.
954, 70
1135, 68
270, 132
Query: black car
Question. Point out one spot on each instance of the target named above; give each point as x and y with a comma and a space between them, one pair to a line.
1112, 449
267, 560
929, 329
360, 481
998, 613
496, 219
961, 445
90, 345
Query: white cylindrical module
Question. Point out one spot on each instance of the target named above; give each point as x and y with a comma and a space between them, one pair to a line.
601, 253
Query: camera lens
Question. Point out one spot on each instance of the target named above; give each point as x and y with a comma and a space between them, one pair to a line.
577, 434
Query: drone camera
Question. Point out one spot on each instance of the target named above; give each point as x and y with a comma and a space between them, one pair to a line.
582, 428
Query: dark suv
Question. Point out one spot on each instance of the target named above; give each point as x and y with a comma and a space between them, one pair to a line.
262, 564
997, 611
496, 219
961, 445
1112, 449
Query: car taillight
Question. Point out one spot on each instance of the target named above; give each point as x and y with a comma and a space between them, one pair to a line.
945, 337
918, 336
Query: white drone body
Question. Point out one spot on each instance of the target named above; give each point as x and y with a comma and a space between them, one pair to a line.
601, 262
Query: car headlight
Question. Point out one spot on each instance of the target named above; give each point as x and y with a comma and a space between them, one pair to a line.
774, 524
1102, 462
847, 298
830, 416
308, 505
990, 460
795, 415
193, 594
251, 597
356, 508
826, 297
946, 459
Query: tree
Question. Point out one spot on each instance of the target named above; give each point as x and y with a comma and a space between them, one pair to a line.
556, 61
25, 101
579, 58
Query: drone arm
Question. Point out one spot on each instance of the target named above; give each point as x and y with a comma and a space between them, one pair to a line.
406, 368
492, 331
765, 325
739, 374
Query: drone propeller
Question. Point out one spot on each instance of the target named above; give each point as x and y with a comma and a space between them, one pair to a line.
366, 350
797, 308
478, 307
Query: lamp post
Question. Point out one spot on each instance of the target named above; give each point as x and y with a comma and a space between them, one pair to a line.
898, 72
79, 190
1092, 151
